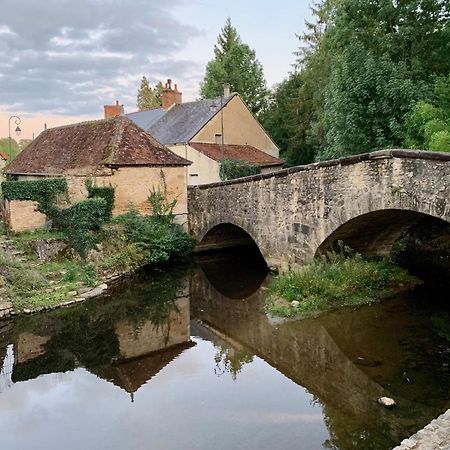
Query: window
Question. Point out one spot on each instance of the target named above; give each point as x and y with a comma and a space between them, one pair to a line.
193, 179
218, 138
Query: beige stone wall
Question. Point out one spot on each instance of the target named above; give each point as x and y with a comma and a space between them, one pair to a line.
132, 187
151, 338
203, 170
240, 127
23, 216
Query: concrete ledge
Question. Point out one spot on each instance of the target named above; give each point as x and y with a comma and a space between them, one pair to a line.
435, 436
348, 160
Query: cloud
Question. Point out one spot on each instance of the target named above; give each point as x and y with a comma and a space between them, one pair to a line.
66, 57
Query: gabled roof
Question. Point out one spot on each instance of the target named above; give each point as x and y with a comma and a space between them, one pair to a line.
83, 148
181, 122
245, 153
145, 119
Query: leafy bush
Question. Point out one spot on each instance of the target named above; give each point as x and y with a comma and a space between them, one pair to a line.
158, 236
80, 222
440, 141
233, 168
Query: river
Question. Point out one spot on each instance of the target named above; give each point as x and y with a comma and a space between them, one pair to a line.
187, 358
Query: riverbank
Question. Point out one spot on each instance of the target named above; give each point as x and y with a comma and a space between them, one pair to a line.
40, 271
336, 282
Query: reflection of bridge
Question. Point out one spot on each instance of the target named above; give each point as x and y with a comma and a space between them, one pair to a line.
368, 201
319, 354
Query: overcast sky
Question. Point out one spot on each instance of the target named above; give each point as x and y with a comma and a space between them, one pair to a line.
62, 60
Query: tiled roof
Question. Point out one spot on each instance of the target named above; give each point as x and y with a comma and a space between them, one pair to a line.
84, 147
181, 122
241, 152
3, 156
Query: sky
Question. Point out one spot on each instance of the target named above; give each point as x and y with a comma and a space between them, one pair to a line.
62, 60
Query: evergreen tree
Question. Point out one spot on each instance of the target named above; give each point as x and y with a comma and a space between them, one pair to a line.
235, 64
227, 38
148, 97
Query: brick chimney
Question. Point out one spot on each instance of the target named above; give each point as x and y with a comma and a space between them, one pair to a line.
170, 96
113, 110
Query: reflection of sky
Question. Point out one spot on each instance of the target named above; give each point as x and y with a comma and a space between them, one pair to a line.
185, 406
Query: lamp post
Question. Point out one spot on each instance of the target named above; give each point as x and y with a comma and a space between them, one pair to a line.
17, 131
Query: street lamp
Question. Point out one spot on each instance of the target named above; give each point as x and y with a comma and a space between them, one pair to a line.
17, 131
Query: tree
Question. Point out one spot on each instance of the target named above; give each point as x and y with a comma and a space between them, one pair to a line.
428, 123
235, 64
366, 101
4, 147
227, 38
147, 97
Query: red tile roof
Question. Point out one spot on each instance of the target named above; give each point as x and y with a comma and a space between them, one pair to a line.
83, 148
3, 156
246, 153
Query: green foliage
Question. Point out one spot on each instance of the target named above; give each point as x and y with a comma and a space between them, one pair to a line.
361, 67
236, 64
440, 141
4, 147
81, 222
365, 103
107, 193
227, 38
234, 168
341, 280
428, 124
148, 97
44, 191
157, 236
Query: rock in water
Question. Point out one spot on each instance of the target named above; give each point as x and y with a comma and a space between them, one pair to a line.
387, 402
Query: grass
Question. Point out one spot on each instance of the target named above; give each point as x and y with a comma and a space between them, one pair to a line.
336, 282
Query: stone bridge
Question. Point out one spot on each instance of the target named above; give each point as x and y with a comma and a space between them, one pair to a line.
368, 201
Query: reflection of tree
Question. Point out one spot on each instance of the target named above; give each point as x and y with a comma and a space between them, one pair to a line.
231, 360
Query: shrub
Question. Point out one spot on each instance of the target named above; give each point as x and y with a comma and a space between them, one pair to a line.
233, 168
440, 141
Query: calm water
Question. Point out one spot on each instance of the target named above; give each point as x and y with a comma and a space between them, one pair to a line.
187, 359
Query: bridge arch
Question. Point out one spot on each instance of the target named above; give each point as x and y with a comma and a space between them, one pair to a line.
376, 232
227, 234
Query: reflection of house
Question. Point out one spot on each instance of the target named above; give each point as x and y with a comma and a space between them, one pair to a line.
111, 152
144, 348
195, 131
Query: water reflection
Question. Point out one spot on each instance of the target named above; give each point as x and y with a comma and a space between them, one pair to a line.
347, 359
125, 341
206, 367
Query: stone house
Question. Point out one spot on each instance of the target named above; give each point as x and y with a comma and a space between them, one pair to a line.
112, 152
205, 131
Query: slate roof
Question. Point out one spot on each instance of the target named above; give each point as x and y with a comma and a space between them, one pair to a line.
246, 153
145, 119
181, 122
83, 148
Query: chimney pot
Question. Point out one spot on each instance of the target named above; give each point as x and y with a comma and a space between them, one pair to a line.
171, 96
113, 110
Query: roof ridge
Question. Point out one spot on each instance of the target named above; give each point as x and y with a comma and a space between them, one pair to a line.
85, 122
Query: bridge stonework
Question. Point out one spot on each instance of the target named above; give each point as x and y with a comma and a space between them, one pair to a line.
367, 200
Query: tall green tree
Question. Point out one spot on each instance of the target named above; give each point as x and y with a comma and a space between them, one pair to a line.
147, 96
235, 64
227, 38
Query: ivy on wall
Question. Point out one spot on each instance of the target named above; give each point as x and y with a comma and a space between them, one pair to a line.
80, 222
